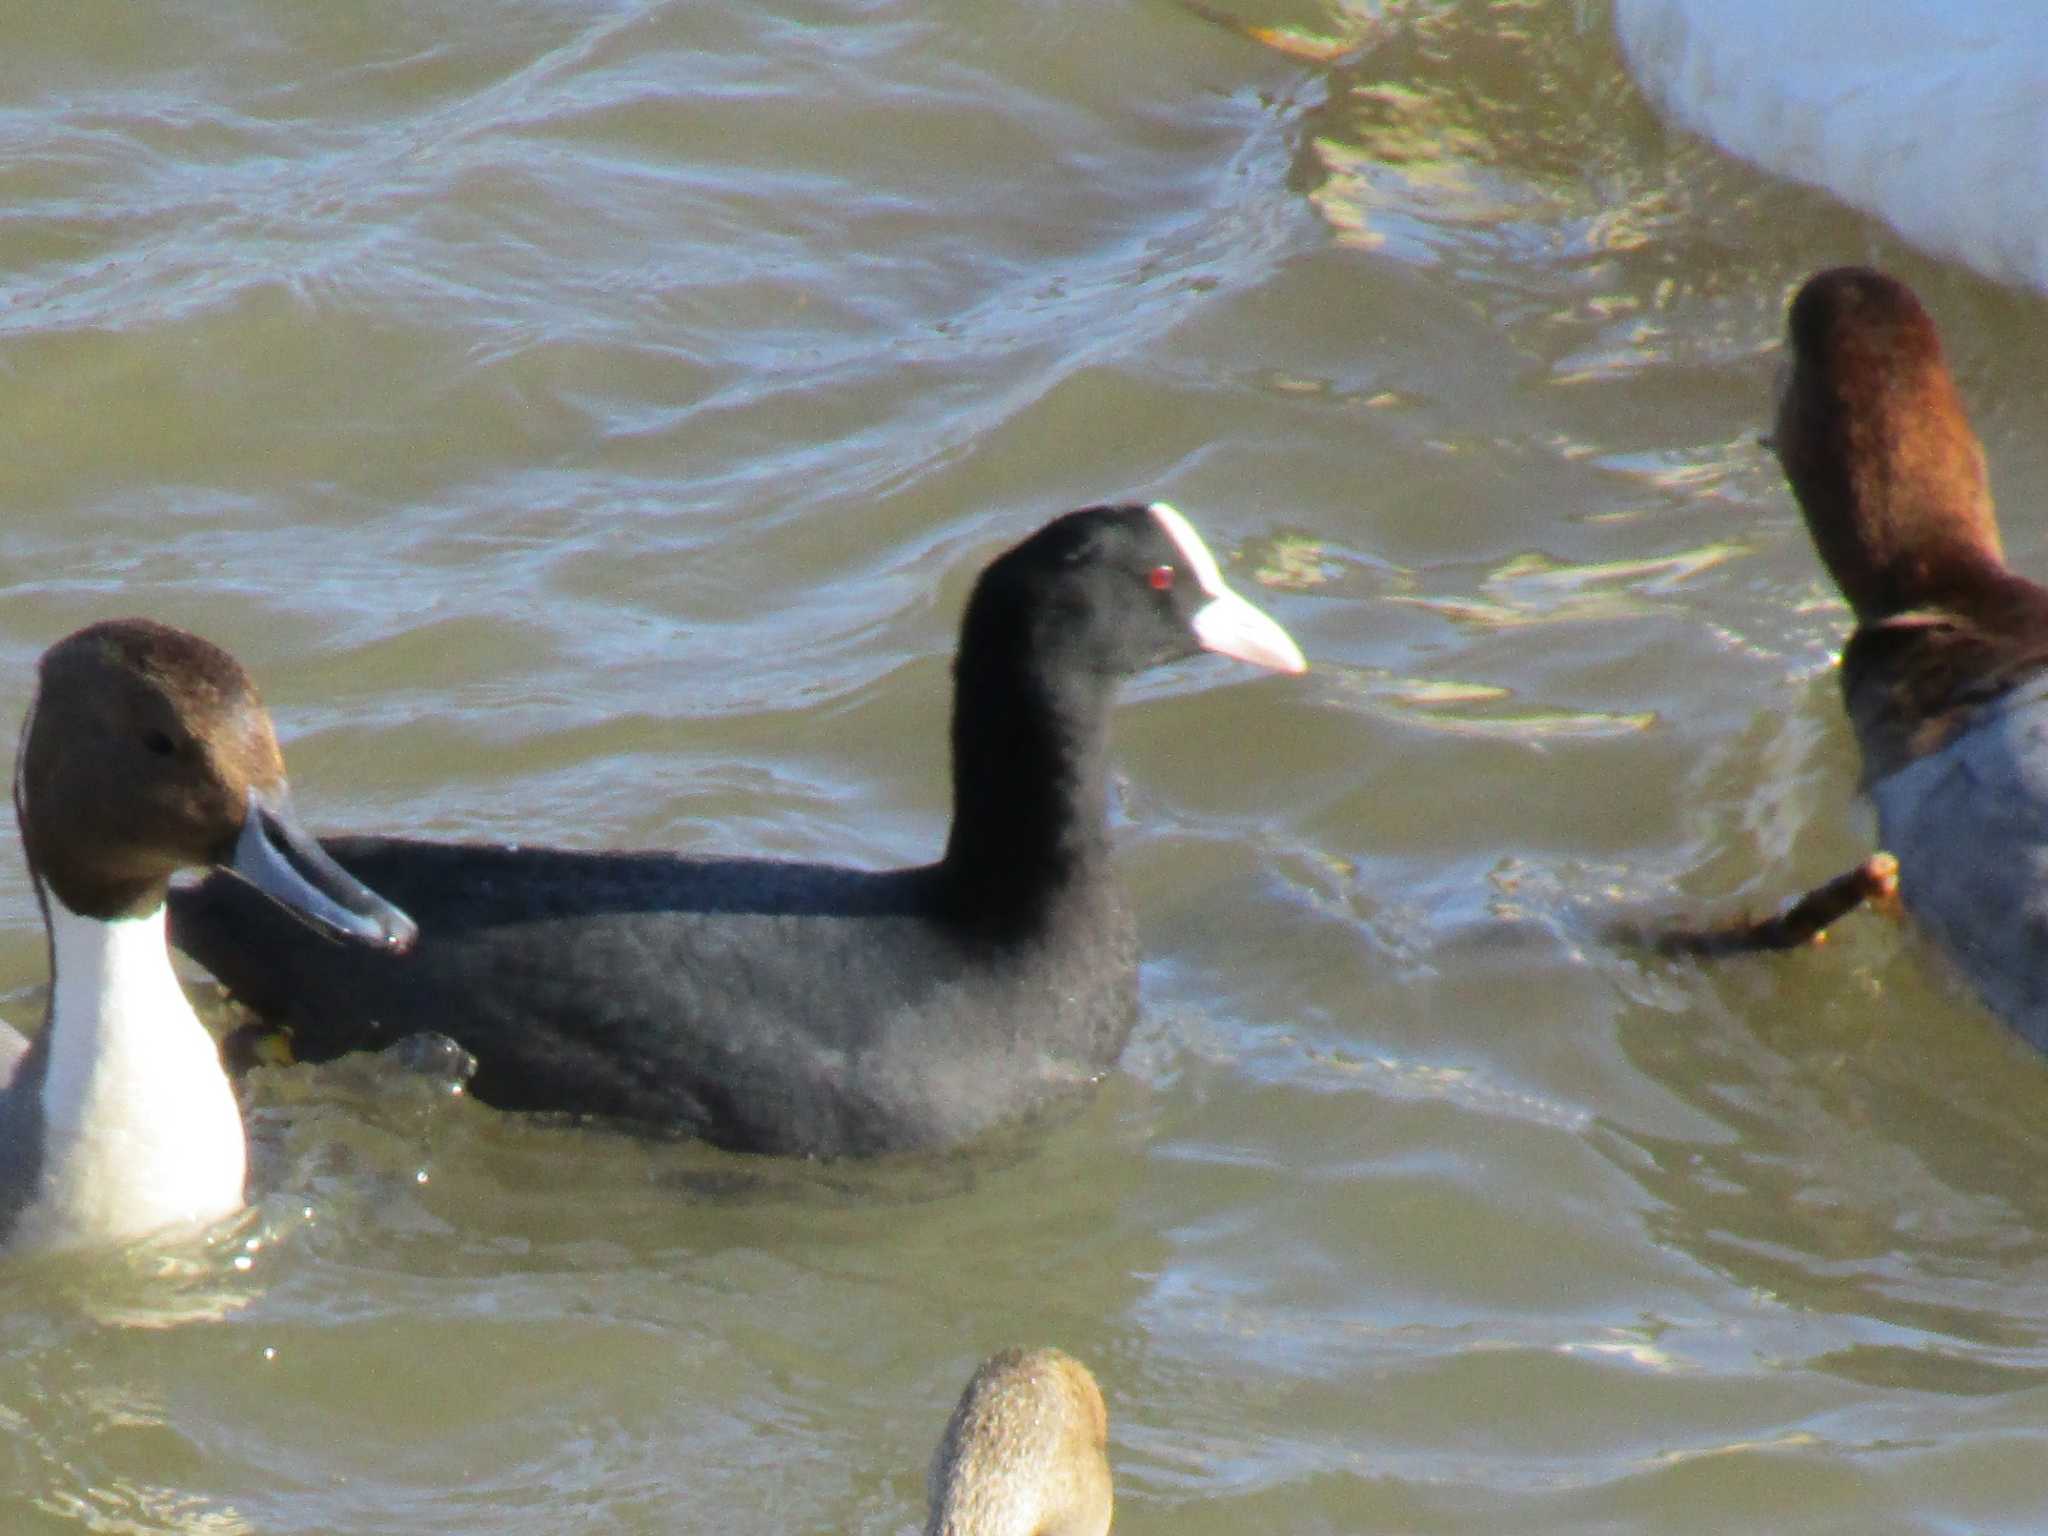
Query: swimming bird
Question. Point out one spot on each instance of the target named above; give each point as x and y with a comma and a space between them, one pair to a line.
797, 1008
146, 751
1026, 1452
1946, 674
1928, 114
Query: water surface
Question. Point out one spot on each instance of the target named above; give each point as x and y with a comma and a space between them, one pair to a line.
586, 421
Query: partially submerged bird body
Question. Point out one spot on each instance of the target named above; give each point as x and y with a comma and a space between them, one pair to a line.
1928, 114
1968, 823
1946, 676
614, 975
800, 1008
1025, 1453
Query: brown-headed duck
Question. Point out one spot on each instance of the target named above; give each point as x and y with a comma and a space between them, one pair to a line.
1946, 674
146, 751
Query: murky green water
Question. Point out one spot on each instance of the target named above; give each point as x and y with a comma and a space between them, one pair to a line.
586, 420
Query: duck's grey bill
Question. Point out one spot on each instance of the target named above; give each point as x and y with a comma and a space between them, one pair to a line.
277, 856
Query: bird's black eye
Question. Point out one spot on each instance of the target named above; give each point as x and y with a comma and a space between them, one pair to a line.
1160, 578
160, 743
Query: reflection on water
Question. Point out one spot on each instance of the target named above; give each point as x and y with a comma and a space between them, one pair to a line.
586, 425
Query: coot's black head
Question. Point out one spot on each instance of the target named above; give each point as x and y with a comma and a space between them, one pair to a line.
1106, 592
1053, 626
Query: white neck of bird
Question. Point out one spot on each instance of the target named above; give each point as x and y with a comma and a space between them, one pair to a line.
140, 1126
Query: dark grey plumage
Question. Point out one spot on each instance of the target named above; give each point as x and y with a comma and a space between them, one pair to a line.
792, 1007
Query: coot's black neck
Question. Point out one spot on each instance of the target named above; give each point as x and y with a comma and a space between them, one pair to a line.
1030, 791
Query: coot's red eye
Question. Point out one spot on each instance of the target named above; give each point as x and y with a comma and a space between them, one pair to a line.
1161, 578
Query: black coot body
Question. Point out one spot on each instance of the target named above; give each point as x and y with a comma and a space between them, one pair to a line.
787, 1007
